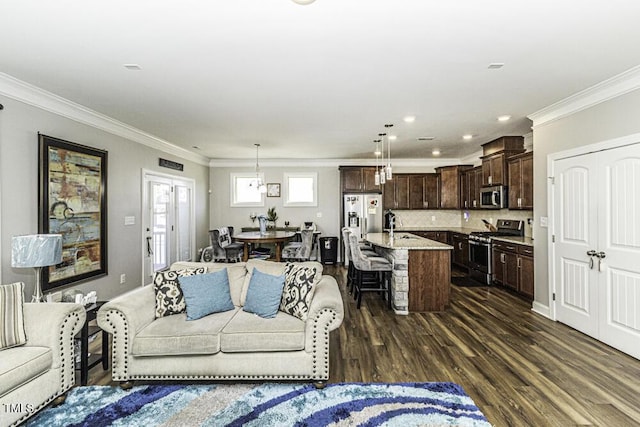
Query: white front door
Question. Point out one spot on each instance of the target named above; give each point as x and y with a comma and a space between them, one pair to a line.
168, 223
597, 236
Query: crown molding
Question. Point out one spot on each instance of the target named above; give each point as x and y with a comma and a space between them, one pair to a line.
618, 85
334, 163
40, 98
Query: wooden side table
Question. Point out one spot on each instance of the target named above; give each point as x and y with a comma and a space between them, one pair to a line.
87, 362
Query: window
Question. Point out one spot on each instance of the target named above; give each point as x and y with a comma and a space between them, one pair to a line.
244, 190
301, 189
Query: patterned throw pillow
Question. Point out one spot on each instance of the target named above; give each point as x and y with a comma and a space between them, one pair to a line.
169, 297
12, 327
299, 286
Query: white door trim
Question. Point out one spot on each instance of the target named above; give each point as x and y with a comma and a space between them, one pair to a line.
551, 231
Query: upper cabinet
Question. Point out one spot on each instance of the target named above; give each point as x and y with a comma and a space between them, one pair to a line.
450, 185
412, 191
521, 181
494, 159
471, 183
358, 179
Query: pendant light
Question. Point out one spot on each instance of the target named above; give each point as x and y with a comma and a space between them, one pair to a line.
376, 176
383, 175
388, 171
259, 184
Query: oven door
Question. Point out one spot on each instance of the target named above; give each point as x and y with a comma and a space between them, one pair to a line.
480, 256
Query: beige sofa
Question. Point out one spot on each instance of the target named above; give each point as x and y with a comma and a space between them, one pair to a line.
232, 345
34, 374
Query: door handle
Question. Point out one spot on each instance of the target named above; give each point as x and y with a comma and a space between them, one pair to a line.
149, 250
601, 255
591, 254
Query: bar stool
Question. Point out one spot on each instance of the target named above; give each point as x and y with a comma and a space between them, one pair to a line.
372, 273
365, 249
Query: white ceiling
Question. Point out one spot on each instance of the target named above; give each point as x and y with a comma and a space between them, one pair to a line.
318, 81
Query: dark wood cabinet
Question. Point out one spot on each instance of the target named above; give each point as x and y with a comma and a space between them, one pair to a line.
494, 159
438, 236
521, 181
460, 243
358, 179
431, 191
513, 267
471, 183
494, 170
396, 192
416, 192
411, 191
449, 188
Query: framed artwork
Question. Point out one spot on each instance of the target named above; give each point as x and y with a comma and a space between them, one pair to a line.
273, 190
72, 186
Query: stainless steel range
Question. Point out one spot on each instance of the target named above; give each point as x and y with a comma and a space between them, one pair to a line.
480, 251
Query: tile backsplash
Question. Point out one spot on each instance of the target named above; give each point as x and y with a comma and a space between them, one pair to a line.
456, 218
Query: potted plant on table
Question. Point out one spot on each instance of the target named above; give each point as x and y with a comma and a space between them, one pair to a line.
272, 216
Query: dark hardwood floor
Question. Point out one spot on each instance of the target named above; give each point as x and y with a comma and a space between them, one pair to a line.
520, 368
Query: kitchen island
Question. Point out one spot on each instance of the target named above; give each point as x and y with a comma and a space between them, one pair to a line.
421, 274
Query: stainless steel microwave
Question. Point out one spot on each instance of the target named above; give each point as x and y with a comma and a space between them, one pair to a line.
494, 197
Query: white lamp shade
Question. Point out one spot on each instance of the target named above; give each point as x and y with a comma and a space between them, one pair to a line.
36, 250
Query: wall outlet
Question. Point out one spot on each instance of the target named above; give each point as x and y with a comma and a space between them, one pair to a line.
544, 221
123, 279
433, 217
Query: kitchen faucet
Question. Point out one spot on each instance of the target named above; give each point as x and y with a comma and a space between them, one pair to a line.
392, 223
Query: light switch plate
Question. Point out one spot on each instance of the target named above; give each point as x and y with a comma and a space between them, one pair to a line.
544, 221
129, 220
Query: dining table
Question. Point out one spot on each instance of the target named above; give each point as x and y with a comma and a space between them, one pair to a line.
255, 237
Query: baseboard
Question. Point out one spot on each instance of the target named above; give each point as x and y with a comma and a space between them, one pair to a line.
541, 309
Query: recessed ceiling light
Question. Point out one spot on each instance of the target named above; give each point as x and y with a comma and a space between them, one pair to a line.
426, 138
196, 147
496, 65
303, 2
467, 137
436, 152
504, 118
409, 119
132, 67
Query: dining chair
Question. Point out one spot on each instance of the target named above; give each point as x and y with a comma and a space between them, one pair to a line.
299, 251
223, 248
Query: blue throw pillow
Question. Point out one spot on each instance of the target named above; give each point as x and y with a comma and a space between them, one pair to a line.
264, 294
205, 294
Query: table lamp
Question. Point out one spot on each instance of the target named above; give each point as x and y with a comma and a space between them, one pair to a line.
37, 251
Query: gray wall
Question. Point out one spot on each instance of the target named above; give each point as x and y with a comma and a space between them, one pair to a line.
19, 126
611, 119
328, 200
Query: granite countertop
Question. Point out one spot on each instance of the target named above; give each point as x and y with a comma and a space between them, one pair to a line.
405, 241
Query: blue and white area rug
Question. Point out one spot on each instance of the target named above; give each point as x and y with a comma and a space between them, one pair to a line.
409, 404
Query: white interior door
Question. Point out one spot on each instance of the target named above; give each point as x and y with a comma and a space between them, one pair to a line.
168, 222
597, 248
619, 243
576, 224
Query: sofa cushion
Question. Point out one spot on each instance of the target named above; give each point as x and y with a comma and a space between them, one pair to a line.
299, 285
247, 332
264, 294
173, 335
236, 272
270, 267
12, 327
169, 297
20, 365
206, 294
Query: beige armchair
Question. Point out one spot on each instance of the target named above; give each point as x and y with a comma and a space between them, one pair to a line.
34, 374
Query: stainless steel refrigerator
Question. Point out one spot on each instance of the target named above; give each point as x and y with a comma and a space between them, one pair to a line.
363, 213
